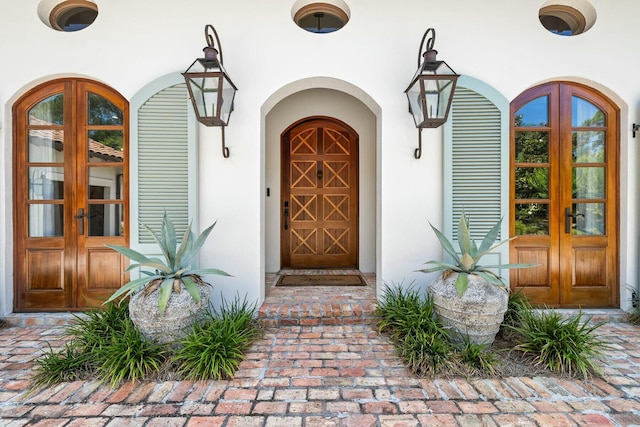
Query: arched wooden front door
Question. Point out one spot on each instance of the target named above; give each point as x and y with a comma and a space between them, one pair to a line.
564, 195
70, 172
319, 205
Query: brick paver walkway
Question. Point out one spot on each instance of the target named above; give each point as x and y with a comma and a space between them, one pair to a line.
323, 376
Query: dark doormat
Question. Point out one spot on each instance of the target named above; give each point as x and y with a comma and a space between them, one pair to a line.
321, 280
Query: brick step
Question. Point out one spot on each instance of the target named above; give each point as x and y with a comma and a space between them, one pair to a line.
313, 313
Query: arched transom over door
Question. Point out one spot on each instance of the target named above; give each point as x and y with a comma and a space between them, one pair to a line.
564, 196
70, 194
319, 206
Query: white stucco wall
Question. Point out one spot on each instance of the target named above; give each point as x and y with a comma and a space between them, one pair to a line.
500, 42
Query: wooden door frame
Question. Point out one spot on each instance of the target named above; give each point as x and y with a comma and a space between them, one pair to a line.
285, 250
70, 294
561, 142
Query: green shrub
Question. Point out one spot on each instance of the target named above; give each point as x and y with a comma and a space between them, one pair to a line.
215, 347
411, 322
127, 356
67, 364
517, 307
560, 345
103, 343
478, 359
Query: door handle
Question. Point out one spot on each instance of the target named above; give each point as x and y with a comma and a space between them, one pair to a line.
81, 215
568, 221
285, 213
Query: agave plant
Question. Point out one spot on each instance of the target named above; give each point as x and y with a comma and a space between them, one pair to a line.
466, 261
168, 275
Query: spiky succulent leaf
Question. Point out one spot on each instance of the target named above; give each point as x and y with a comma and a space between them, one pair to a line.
508, 266
489, 277
185, 246
462, 283
132, 286
467, 262
165, 294
192, 288
446, 244
130, 253
464, 235
171, 271
493, 248
170, 239
203, 271
490, 238
440, 266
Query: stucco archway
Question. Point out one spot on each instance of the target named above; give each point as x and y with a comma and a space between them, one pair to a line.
327, 97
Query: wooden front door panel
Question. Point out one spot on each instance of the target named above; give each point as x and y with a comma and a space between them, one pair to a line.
564, 196
319, 203
70, 195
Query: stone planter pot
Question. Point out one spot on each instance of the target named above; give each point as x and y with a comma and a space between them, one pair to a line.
477, 314
181, 311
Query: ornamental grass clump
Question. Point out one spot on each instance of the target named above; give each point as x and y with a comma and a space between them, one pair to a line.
102, 344
477, 359
561, 345
411, 323
213, 349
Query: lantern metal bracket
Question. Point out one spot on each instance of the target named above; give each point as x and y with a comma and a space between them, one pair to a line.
418, 152
225, 149
430, 42
208, 29
634, 129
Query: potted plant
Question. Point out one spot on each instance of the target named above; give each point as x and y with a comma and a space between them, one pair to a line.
469, 298
170, 292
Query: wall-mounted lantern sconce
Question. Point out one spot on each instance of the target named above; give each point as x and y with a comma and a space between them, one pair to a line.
431, 89
635, 128
210, 88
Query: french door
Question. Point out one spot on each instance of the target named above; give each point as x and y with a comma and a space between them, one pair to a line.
319, 205
564, 196
70, 194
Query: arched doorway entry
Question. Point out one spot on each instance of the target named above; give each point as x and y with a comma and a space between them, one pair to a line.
326, 98
70, 172
319, 192
564, 195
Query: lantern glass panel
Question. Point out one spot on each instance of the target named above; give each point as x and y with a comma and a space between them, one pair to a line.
226, 102
415, 102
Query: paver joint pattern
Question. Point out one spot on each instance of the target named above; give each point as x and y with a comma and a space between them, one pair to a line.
323, 376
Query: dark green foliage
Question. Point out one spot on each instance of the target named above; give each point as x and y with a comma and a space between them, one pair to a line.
127, 356
561, 345
634, 316
411, 322
102, 343
68, 364
215, 347
477, 358
517, 307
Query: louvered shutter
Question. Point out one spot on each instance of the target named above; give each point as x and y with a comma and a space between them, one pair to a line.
163, 161
475, 181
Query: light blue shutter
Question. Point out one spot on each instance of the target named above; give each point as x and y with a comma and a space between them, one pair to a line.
163, 161
476, 157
